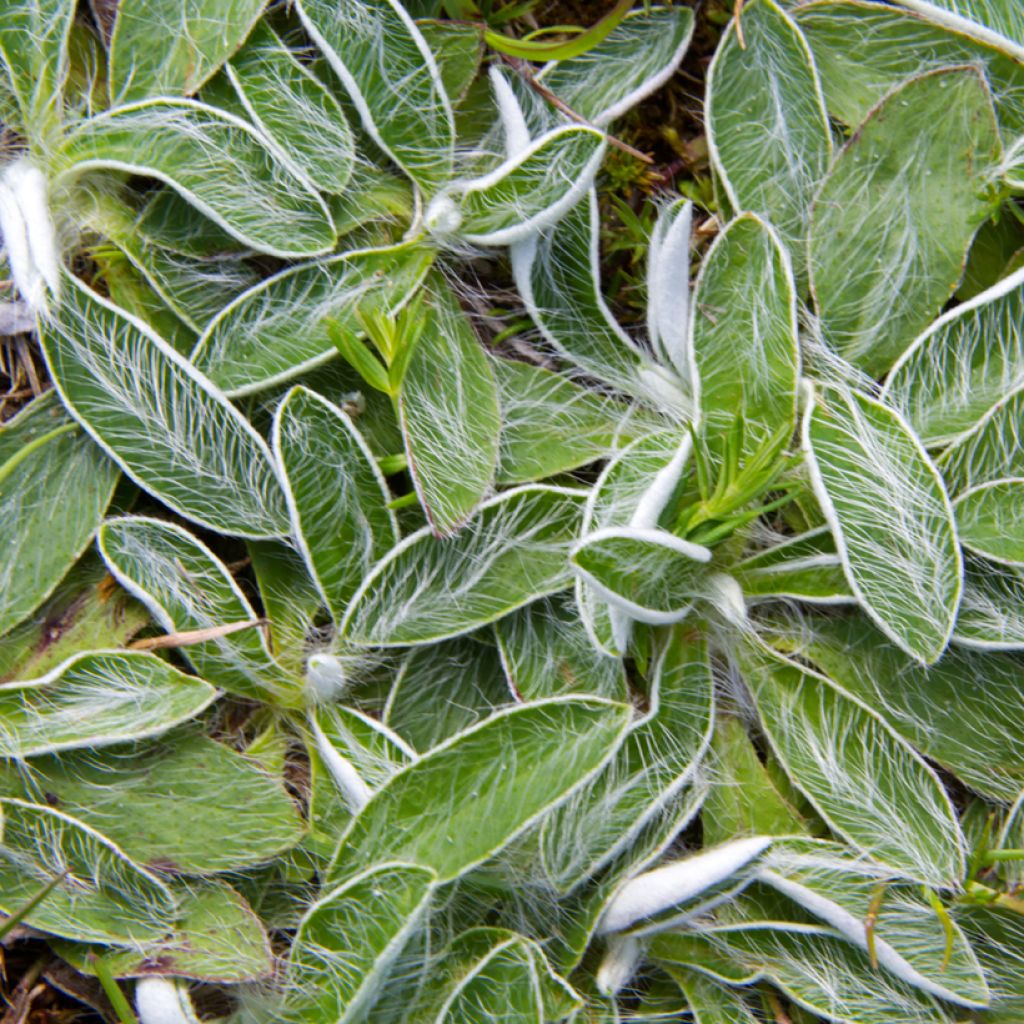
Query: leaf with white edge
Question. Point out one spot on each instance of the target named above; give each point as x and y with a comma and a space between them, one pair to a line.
990, 520
963, 366
998, 21
165, 424
529, 192
668, 287
458, 49
336, 495
170, 222
992, 610
546, 652
887, 247
660, 755
103, 897
54, 488
558, 276
998, 938
428, 588
444, 688
186, 587
678, 882
97, 698
959, 727
169, 48
710, 1002
802, 568
768, 131
34, 51
280, 327
451, 420
349, 941
217, 162
496, 975
818, 970
293, 109
992, 450
371, 747
908, 938
551, 425
374, 47
651, 575
863, 50
463, 801
188, 805
868, 784
891, 518
743, 336
638, 57
216, 938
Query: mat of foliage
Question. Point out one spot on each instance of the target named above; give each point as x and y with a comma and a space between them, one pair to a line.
394, 627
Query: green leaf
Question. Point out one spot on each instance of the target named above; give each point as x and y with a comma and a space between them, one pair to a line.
960, 369
998, 938
374, 47
458, 49
991, 450
164, 48
804, 568
335, 492
551, 425
961, 727
187, 805
372, 748
463, 801
104, 896
986, 19
768, 130
651, 575
866, 782
166, 425
638, 57
546, 653
293, 109
428, 588
450, 417
890, 516
34, 49
281, 327
529, 49
990, 520
54, 487
888, 246
660, 755
349, 940
217, 162
216, 938
744, 336
530, 191
992, 610
96, 698
186, 587
171, 222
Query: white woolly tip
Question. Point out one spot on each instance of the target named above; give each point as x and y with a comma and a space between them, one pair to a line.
654, 891
725, 595
619, 964
162, 1001
353, 789
29, 235
443, 216
325, 677
663, 389
517, 133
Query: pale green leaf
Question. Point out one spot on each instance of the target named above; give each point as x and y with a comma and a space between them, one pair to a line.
428, 588
768, 130
998, 938
888, 246
335, 492
992, 610
1000, 22
166, 425
169, 48
215, 161
866, 782
990, 520
34, 50
458, 49
710, 1002
463, 801
104, 896
450, 416
991, 450
890, 516
171, 222
803, 568
96, 698
186, 587
371, 747
280, 327
393, 80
